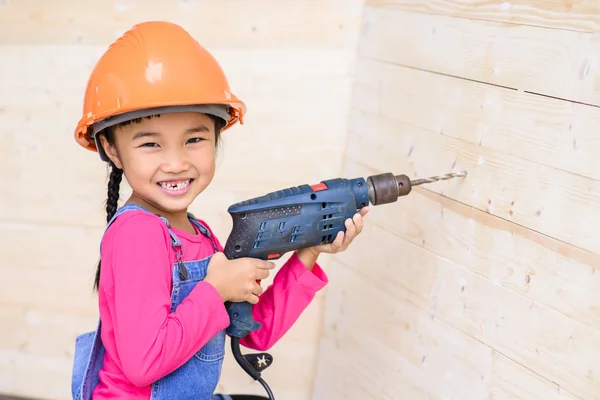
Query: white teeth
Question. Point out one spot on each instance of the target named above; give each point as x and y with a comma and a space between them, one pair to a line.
175, 186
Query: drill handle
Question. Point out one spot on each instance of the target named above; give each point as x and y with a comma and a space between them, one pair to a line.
240, 313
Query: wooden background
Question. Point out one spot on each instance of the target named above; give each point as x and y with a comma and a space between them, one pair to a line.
486, 288
482, 288
290, 63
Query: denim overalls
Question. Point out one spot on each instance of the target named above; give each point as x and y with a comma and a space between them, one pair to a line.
198, 377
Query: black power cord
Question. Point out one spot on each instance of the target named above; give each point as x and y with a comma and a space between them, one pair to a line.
249, 368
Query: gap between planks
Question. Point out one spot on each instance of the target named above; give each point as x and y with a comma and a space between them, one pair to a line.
495, 21
509, 55
475, 81
433, 316
446, 202
505, 13
575, 189
559, 246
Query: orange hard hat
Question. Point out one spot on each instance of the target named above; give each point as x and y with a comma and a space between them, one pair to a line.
155, 67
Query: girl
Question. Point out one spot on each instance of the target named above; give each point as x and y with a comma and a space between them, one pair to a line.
155, 107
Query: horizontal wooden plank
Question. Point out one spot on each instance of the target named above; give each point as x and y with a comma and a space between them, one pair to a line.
384, 339
547, 131
46, 333
541, 198
551, 62
51, 375
237, 181
577, 15
532, 265
76, 285
35, 376
231, 23
554, 346
68, 67
35, 245
268, 130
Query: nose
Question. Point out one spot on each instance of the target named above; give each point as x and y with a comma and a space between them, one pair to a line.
175, 161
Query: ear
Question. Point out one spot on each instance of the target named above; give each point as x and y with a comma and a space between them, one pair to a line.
111, 151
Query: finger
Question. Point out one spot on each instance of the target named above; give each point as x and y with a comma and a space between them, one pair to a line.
356, 227
350, 229
261, 273
336, 245
364, 211
252, 299
261, 264
257, 289
358, 222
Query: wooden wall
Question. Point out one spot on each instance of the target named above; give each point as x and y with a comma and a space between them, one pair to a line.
291, 61
487, 287
478, 288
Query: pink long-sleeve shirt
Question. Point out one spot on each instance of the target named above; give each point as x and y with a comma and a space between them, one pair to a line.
144, 341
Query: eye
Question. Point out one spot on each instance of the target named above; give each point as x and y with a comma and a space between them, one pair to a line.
150, 144
195, 140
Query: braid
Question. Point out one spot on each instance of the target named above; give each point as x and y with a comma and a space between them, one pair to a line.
112, 201
112, 204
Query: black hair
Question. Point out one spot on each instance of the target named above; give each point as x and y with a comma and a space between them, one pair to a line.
116, 174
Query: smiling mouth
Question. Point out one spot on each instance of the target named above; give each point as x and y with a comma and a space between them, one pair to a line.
175, 185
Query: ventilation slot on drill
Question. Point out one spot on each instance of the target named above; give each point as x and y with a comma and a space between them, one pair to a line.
258, 240
295, 233
326, 238
327, 216
327, 226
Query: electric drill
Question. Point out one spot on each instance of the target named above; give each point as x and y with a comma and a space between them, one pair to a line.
271, 225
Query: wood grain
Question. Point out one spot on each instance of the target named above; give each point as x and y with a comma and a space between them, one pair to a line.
576, 15
230, 23
31, 101
493, 278
385, 339
536, 337
247, 69
547, 131
547, 200
290, 61
550, 62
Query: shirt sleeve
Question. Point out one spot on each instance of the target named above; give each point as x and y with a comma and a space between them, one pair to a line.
151, 340
281, 304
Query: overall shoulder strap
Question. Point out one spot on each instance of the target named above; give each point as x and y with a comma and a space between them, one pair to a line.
203, 229
134, 207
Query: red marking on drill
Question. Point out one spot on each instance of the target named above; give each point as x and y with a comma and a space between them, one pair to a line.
318, 187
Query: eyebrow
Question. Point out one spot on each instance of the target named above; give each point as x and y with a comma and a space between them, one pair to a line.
197, 129
143, 134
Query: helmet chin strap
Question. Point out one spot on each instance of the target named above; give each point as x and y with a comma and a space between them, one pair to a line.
217, 110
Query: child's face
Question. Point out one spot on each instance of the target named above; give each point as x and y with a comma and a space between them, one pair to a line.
167, 160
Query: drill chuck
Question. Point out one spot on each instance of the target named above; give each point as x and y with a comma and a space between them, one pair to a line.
386, 188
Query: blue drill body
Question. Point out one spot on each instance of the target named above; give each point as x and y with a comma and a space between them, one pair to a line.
269, 226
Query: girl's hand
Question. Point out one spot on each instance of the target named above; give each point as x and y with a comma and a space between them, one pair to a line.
237, 280
354, 227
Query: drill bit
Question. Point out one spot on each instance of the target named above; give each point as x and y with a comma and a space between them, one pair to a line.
387, 187
438, 178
